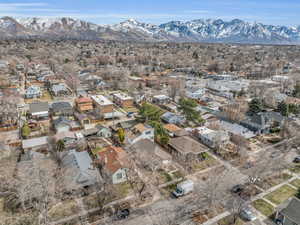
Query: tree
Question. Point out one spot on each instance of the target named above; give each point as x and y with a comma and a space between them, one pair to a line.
296, 92
26, 130
255, 106
283, 108
298, 193
60, 146
121, 135
149, 112
187, 107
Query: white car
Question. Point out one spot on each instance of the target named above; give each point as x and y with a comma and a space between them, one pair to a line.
247, 214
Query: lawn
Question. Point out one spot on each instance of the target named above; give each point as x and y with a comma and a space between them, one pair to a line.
206, 163
274, 180
264, 207
164, 177
120, 191
296, 183
228, 220
281, 194
63, 209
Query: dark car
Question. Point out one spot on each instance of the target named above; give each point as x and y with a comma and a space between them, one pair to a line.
237, 189
122, 214
296, 159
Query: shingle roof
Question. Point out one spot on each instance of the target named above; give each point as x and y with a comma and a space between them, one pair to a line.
38, 107
292, 211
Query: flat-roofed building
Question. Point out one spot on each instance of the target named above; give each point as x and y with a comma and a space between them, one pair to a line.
103, 104
123, 100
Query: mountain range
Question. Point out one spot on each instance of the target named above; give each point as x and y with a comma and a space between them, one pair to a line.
202, 30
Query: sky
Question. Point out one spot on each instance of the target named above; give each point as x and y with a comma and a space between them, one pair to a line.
276, 12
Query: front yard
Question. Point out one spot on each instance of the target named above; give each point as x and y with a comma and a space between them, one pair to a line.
208, 162
274, 180
63, 209
263, 207
281, 194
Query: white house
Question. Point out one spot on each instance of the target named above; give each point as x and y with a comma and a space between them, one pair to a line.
139, 132
212, 138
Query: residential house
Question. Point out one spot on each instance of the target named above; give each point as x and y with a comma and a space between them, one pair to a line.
197, 94
80, 170
33, 92
84, 104
236, 129
185, 148
104, 132
161, 99
115, 160
103, 104
212, 138
39, 144
63, 124
172, 129
123, 100
262, 123
60, 89
139, 132
149, 154
288, 212
39, 110
169, 117
61, 109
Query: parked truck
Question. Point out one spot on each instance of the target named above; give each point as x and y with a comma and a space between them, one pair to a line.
183, 188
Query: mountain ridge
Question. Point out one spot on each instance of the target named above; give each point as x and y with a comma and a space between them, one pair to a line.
199, 30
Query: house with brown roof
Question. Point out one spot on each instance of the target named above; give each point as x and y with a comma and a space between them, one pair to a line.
139, 132
172, 129
185, 148
115, 161
84, 104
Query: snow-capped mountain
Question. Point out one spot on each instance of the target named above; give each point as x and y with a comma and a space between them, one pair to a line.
208, 30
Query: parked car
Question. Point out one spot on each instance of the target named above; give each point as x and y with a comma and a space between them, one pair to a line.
247, 214
275, 154
296, 159
130, 114
122, 214
183, 188
237, 189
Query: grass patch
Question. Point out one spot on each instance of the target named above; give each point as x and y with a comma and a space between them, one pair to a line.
228, 220
209, 161
63, 209
263, 207
165, 177
281, 194
177, 174
296, 183
295, 169
274, 180
123, 189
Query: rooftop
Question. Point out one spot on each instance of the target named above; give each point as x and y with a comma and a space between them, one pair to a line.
101, 100
186, 144
123, 96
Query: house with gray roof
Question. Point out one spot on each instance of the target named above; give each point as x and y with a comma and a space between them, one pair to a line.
170, 117
60, 89
288, 213
80, 169
62, 109
39, 110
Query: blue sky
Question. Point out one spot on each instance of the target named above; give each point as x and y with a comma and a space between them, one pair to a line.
278, 12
